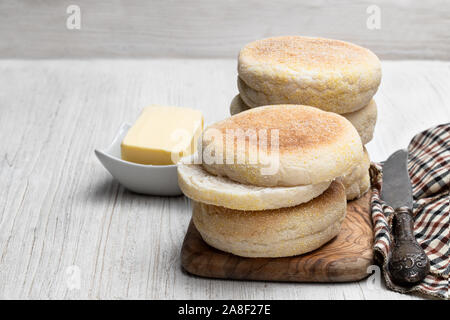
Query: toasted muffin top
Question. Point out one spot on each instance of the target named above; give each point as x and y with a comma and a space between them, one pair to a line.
299, 127
305, 53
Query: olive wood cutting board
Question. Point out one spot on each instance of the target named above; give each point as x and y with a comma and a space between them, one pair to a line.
345, 258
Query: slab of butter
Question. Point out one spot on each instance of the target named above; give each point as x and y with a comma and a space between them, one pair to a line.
162, 135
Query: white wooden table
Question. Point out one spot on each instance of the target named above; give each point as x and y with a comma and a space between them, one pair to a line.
63, 216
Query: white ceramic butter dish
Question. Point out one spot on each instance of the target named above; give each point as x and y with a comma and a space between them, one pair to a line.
145, 179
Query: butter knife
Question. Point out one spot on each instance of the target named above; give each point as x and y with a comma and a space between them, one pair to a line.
408, 264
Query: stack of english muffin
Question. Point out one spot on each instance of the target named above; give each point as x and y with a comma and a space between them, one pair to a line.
278, 194
328, 74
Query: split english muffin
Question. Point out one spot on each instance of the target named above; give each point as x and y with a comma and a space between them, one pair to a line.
309, 146
242, 209
328, 74
363, 120
273, 233
201, 186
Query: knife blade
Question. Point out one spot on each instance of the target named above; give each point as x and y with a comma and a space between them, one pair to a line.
396, 190
408, 264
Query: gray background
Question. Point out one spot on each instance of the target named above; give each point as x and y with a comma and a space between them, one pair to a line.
410, 29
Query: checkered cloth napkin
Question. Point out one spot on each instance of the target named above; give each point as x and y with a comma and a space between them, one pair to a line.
429, 170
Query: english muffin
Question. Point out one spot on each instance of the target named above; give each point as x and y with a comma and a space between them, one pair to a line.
328, 74
273, 233
357, 182
363, 120
358, 188
284, 145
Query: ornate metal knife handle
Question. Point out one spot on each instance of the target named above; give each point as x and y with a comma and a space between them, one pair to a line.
408, 264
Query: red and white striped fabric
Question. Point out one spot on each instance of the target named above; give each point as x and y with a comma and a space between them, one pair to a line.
429, 170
